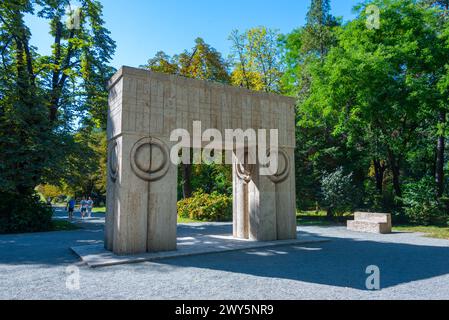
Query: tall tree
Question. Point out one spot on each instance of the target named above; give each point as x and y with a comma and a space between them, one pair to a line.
317, 149
162, 62
380, 81
318, 35
203, 62
46, 98
256, 56
443, 6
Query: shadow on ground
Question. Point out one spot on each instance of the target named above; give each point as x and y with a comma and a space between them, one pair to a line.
341, 262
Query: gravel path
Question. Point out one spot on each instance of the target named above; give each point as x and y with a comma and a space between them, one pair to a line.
412, 267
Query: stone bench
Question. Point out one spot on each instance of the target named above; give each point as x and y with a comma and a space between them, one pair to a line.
371, 222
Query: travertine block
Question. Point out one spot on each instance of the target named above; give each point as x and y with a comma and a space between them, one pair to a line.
371, 222
144, 108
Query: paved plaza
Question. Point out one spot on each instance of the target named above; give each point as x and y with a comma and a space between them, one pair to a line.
34, 266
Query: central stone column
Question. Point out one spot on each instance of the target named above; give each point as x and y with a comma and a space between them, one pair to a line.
264, 207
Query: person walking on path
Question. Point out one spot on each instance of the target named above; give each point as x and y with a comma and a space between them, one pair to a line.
90, 206
71, 208
83, 206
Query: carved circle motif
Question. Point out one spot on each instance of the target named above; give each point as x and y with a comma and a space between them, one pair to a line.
282, 175
151, 173
113, 161
244, 172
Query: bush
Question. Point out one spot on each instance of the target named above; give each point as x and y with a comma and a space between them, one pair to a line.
206, 207
420, 204
371, 197
338, 192
21, 214
376, 202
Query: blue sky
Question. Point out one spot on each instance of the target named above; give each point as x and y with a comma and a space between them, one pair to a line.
143, 27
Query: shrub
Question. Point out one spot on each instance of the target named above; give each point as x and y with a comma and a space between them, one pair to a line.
206, 207
371, 197
20, 214
338, 192
420, 204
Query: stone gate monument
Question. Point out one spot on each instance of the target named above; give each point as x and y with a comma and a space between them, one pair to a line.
144, 108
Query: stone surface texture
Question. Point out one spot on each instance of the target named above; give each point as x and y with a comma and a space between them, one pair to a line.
144, 108
96, 255
371, 222
413, 266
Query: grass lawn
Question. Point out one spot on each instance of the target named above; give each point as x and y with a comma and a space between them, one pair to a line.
186, 220
63, 225
314, 218
99, 210
429, 231
304, 218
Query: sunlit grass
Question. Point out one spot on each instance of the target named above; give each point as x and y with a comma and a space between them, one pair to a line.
318, 218
99, 210
304, 218
429, 231
186, 220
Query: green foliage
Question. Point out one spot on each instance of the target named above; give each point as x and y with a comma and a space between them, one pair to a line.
319, 36
373, 101
294, 79
50, 191
201, 62
256, 57
46, 99
372, 198
338, 192
85, 169
23, 213
206, 207
163, 63
420, 203
208, 178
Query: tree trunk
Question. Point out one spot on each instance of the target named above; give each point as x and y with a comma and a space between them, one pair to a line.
395, 169
379, 169
187, 180
439, 166
330, 213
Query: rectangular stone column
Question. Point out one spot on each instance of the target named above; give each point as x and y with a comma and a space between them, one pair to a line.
264, 206
240, 193
162, 211
141, 204
285, 194
262, 209
127, 220
254, 204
